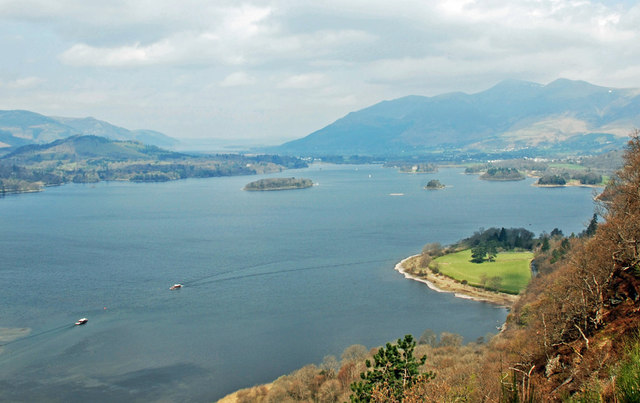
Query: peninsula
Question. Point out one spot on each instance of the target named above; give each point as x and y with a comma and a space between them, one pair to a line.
492, 265
410, 268
279, 184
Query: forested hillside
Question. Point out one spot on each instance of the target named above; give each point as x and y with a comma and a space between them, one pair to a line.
86, 159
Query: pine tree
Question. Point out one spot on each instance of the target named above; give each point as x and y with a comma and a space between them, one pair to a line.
593, 225
478, 253
545, 244
395, 370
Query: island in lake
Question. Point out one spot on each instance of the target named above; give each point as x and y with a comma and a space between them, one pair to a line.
434, 184
279, 184
502, 174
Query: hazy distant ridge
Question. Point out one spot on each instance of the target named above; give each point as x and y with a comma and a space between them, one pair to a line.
76, 148
19, 127
563, 115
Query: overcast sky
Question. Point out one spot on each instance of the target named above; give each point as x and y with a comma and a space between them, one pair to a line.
270, 71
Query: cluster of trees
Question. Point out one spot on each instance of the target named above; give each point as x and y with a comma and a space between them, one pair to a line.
502, 174
279, 184
199, 168
561, 178
503, 238
16, 179
434, 184
474, 169
552, 179
482, 250
587, 178
525, 164
11, 185
155, 176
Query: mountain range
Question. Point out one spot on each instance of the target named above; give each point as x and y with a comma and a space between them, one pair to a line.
518, 117
19, 127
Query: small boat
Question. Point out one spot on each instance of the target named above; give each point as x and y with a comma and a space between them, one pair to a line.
82, 321
175, 287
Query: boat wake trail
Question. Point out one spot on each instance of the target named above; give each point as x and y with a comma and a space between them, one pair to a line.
199, 280
211, 280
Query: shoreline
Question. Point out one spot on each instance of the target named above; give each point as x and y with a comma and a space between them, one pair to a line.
568, 185
440, 283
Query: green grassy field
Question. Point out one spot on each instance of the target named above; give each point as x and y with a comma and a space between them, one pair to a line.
511, 267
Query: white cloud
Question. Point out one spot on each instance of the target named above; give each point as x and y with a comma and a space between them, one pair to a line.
24, 83
85, 55
304, 81
237, 79
245, 21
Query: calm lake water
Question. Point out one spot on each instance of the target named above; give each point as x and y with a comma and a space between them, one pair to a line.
273, 280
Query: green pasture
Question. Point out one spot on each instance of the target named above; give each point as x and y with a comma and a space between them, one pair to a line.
512, 268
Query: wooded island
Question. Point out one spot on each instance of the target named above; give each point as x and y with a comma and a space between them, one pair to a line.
279, 184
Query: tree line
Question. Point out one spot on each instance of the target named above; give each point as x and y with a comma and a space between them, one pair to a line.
15, 178
561, 178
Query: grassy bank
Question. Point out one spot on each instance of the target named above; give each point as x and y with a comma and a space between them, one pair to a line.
512, 269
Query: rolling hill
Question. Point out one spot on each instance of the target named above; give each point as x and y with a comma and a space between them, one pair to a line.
562, 117
19, 127
76, 148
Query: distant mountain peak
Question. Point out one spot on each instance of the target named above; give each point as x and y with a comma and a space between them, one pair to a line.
568, 82
514, 82
514, 116
21, 127
584, 85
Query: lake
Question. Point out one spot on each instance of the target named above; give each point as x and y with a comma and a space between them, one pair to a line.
272, 280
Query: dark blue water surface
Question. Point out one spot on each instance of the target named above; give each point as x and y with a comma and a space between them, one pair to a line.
273, 280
